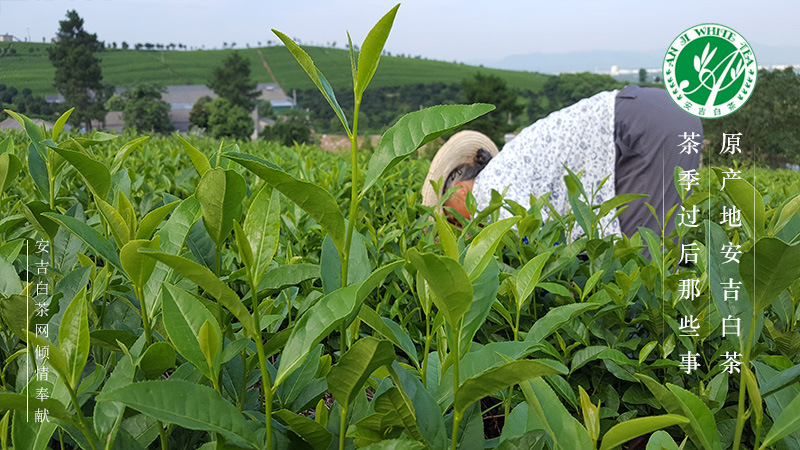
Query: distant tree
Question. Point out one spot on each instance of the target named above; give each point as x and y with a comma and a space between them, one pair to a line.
563, 90
224, 45
492, 89
78, 75
656, 79
138, 46
198, 116
124, 45
148, 46
226, 119
114, 45
233, 44
232, 81
291, 126
642, 75
265, 110
144, 110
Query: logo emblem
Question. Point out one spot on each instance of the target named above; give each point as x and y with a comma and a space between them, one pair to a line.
710, 70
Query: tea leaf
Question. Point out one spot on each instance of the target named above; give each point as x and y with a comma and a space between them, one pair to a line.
73, 337
59, 125
220, 193
449, 284
153, 219
108, 415
34, 132
210, 339
446, 238
138, 266
394, 402
347, 377
617, 201
780, 381
413, 131
183, 317
10, 167
199, 160
564, 429
317, 202
91, 237
749, 202
788, 422
157, 359
262, 226
39, 172
95, 173
661, 440
126, 150
211, 284
310, 431
187, 405
554, 319
591, 415
528, 276
700, 418
497, 379
768, 269
483, 246
316, 76
370, 52
630, 429
119, 228
33, 212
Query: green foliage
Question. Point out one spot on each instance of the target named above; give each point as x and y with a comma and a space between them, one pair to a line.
265, 110
563, 90
78, 74
226, 119
144, 110
198, 115
493, 90
231, 81
290, 127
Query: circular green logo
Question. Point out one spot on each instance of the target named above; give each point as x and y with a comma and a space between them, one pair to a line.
710, 70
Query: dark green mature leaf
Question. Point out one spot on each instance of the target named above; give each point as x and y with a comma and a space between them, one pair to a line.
768, 269
565, 430
38, 170
315, 201
700, 418
788, 422
331, 266
780, 400
19, 402
749, 202
528, 276
346, 379
395, 444
183, 317
630, 429
73, 337
780, 381
310, 431
33, 212
483, 246
484, 294
497, 379
138, 266
91, 237
531, 440
157, 359
617, 201
394, 402
187, 405
10, 283
210, 283
199, 160
108, 415
413, 131
10, 166
95, 173
317, 322
262, 225
554, 319
451, 288
390, 330
370, 52
220, 193
281, 277
316, 76
57, 358
661, 440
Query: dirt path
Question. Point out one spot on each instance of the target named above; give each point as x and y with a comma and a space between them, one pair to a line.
274, 80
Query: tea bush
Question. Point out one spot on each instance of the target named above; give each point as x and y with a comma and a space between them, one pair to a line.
211, 296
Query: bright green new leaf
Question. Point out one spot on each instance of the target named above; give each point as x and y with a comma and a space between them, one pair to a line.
370, 52
73, 337
10, 166
204, 278
34, 132
199, 160
483, 246
413, 131
310, 431
446, 237
57, 358
187, 405
395, 444
220, 193
95, 173
315, 201
210, 339
153, 219
449, 284
748, 200
528, 276
184, 315
788, 211
346, 379
565, 430
243, 244
497, 379
126, 150
617, 201
117, 224
59, 125
661, 440
630, 429
313, 326
768, 269
138, 266
756, 403
316, 76
591, 415
788, 422
262, 226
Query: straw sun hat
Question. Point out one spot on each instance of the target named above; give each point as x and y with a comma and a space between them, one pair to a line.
458, 150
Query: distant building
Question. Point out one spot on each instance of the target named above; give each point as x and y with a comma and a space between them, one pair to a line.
7, 38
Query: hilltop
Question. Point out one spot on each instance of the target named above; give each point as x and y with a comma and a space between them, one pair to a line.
31, 68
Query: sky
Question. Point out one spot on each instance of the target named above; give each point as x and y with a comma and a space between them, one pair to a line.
472, 31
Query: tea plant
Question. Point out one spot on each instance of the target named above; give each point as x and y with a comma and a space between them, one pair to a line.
265, 297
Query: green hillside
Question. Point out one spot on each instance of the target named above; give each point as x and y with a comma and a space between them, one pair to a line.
31, 68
